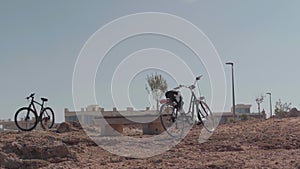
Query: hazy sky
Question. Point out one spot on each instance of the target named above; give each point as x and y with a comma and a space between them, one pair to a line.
41, 40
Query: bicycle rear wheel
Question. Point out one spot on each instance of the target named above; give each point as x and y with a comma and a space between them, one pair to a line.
25, 119
47, 118
206, 117
170, 120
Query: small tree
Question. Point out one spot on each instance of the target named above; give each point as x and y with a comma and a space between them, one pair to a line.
281, 108
259, 100
158, 86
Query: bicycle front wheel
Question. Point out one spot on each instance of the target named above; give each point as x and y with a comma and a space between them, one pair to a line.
207, 118
47, 118
25, 119
170, 121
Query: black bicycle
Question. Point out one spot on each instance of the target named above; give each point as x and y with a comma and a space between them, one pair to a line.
26, 118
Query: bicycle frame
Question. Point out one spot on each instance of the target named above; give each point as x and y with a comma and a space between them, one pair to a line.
32, 104
193, 100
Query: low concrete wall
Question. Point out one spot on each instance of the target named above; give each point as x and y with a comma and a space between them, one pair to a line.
112, 130
152, 128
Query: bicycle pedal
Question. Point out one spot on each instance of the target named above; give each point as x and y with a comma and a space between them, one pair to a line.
198, 123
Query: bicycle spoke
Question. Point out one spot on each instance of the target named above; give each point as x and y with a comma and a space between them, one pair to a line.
47, 118
25, 119
171, 122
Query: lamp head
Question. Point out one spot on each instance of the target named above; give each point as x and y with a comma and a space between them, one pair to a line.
229, 63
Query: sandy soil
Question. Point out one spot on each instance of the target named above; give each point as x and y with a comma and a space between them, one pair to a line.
273, 143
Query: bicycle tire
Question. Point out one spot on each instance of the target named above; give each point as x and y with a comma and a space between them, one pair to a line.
190, 118
207, 119
26, 119
47, 118
170, 121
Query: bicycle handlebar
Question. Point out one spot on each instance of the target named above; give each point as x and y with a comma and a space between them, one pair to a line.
198, 77
31, 96
185, 86
178, 87
191, 86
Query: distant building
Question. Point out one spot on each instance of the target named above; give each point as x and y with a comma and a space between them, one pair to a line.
242, 111
11, 125
242, 108
7, 125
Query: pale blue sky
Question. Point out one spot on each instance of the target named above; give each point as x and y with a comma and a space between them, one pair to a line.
40, 42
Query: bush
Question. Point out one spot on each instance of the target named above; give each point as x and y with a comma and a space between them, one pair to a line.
231, 120
244, 117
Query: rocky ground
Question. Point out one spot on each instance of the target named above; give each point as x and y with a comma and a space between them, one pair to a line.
273, 143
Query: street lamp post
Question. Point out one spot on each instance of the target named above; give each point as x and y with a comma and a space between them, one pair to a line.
270, 103
232, 83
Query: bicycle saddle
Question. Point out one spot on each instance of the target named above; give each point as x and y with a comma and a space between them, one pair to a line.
44, 99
